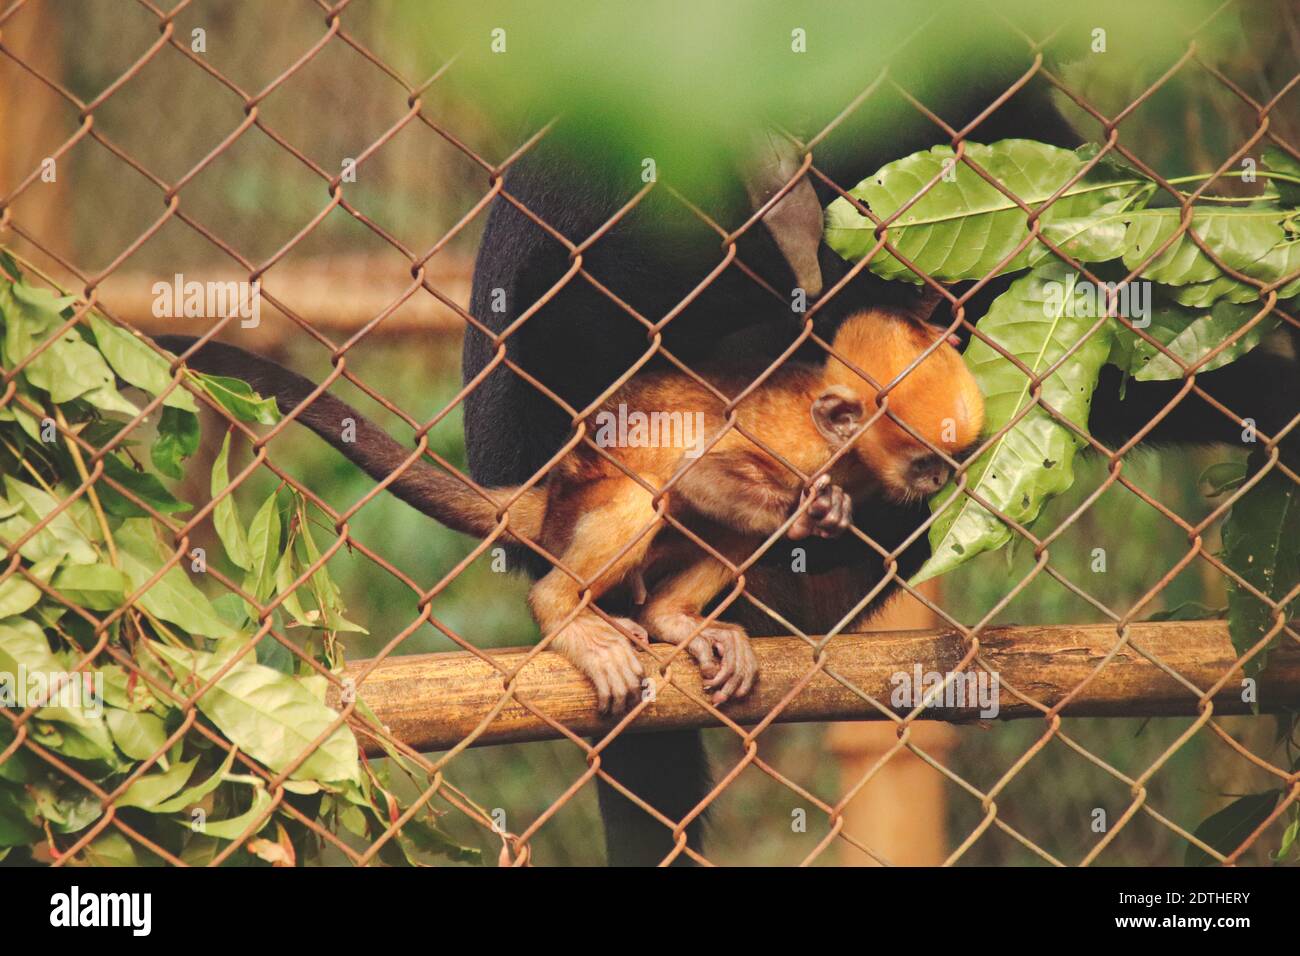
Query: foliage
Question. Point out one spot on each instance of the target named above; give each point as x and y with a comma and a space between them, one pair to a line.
954, 224
123, 607
1055, 322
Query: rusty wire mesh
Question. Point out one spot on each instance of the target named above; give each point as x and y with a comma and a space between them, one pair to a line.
331, 29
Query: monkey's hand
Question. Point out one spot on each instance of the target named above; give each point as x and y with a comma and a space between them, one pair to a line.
828, 516
605, 655
723, 652
736, 667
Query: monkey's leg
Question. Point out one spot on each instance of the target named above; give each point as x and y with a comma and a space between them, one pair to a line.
675, 612
595, 646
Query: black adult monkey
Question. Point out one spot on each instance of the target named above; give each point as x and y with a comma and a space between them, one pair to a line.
653, 259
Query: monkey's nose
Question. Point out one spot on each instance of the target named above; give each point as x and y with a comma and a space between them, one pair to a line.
928, 473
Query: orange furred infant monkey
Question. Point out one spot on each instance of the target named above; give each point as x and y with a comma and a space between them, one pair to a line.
735, 487
600, 521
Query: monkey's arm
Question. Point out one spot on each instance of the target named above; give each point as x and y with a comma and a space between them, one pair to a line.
750, 493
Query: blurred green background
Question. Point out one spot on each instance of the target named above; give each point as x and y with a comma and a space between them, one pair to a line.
687, 76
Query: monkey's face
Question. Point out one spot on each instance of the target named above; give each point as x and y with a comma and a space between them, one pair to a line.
936, 399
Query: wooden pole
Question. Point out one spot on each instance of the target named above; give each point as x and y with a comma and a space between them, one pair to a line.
434, 701
33, 124
901, 813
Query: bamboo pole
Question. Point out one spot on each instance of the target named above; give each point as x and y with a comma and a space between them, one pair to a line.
434, 701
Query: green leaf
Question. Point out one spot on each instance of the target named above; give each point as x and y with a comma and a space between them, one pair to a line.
224, 516
1190, 336
429, 839
172, 597
286, 572
17, 817
234, 827
271, 653
263, 549
72, 368
1277, 161
270, 716
153, 788
1281, 262
96, 587
143, 485
1242, 238
1205, 294
81, 733
10, 266
67, 807
1038, 319
238, 398
31, 315
178, 439
193, 795
68, 534
112, 849
962, 228
1096, 237
138, 364
12, 412
138, 735
23, 645
1288, 841
18, 595
326, 593
1225, 830
1261, 543
22, 766
124, 691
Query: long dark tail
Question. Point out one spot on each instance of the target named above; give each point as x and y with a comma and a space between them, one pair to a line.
437, 494
669, 771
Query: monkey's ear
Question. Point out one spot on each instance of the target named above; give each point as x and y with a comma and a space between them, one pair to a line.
837, 413
796, 221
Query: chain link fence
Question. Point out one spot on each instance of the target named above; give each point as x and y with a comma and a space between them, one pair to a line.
137, 169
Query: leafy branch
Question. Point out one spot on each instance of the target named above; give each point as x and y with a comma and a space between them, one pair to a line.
99, 551
1199, 318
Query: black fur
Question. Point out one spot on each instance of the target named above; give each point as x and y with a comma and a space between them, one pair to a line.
579, 342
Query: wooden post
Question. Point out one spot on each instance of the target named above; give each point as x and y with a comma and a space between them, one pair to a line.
33, 123
901, 813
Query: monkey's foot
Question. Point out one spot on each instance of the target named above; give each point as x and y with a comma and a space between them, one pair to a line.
606, 656
828, 516
725, 656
